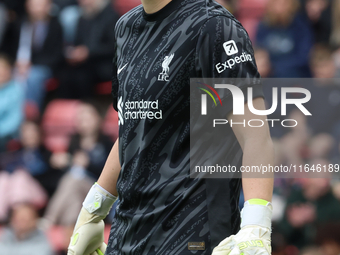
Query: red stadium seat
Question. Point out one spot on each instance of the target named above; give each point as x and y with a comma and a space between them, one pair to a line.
56, 236
58, 123
250, 13
123, 6
252, 8
107, 233
32, 111
250, 26
57, 143
110, 125
51, 84
103, 88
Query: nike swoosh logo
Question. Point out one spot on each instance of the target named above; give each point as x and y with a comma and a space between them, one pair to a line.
121, 69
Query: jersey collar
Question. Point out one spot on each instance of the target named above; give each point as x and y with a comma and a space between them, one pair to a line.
164, 12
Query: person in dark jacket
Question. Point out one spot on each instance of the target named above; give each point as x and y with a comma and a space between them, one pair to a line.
308, 207
89, 60
87, 151
36, 43
319, 14
15, 8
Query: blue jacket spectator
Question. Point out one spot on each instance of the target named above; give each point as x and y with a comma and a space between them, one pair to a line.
36, 43
11, 103
287, 37
32, 156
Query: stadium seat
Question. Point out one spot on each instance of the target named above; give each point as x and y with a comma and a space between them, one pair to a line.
51, 84
103, 88
56, 236
58, 123
110, 124
250, 25
250, 13
252, 8
32, 111
56, 143
123, 6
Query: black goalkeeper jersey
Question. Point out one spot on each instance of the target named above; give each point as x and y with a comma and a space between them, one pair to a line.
162, 210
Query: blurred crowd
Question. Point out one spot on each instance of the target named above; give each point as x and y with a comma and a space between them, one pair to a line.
57, 125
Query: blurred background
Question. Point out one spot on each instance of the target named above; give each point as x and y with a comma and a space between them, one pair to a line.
57, 124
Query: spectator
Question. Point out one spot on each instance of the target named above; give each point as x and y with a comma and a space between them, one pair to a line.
33, 157
335, 37
307, 208
322, 62
19, 187
89, 61
90, 140
320, 146
15, 8
3, 21
292, 146
311, 250
69, 17
11, 103
64, 3
319, 13
263, 63
336, 57
36, 43
325, 116
264, 67
328, 236
23, 237
287, 37
89, 150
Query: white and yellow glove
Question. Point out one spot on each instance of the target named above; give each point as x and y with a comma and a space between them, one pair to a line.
254, 235
88, 234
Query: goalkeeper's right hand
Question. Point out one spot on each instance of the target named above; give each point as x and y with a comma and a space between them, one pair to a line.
88, 234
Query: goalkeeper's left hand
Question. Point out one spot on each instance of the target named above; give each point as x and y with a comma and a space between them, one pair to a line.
254, 236
88, 234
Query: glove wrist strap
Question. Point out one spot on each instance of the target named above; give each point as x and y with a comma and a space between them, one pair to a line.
98, 201
257, 212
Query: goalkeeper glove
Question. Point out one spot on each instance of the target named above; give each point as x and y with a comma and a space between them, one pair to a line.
88, 234
254, 236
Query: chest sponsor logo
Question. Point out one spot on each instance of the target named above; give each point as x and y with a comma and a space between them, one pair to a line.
164, 75
138, 110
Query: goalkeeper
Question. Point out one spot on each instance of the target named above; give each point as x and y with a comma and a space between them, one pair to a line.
159, 46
